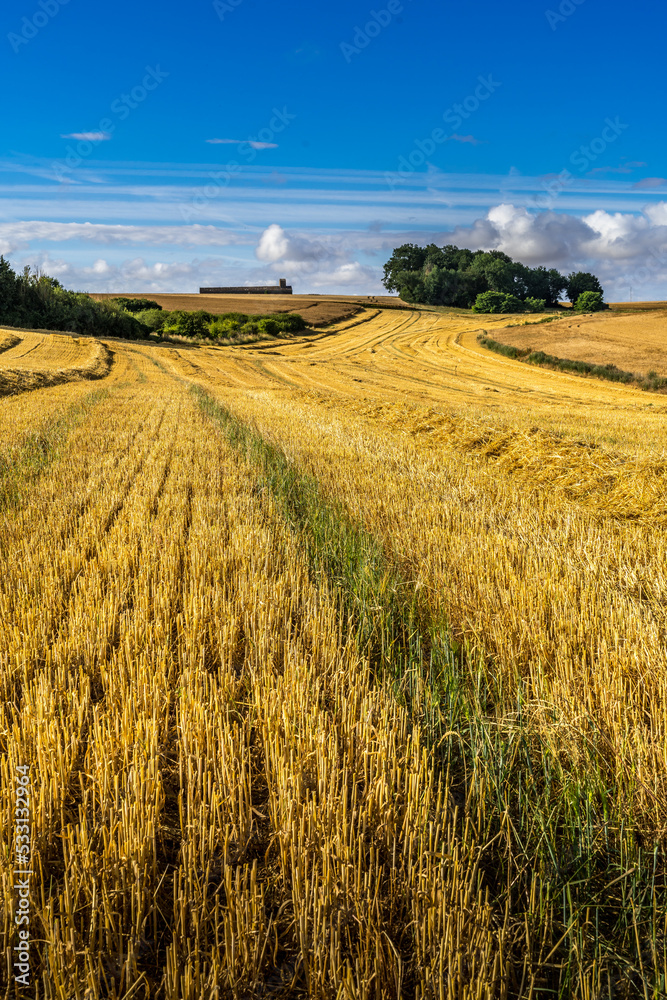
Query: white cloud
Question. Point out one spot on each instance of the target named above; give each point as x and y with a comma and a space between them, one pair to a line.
275, 245
325, 228
138, 275
240, 142
625, 249
135, 275
325, 263
88, 136
20, 235
353, 277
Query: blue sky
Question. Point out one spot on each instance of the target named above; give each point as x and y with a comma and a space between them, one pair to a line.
157, 147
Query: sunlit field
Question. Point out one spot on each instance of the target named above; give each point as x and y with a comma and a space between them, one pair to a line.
338, 664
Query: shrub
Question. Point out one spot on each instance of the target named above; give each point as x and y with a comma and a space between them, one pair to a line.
136, 305
269, 326
497, 302
289, 322
589, 302
32, 299
152, 319
489, 302
189, 324
535, 305
512, 304
236, 319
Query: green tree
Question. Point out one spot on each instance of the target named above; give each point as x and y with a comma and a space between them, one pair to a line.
589, 302
512, 304
582, 281
410, 286
557, 285
406, 258
536, 280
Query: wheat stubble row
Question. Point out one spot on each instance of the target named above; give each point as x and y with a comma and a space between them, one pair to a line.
548, 555
223, 798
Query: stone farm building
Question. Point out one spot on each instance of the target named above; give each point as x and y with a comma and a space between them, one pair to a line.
282, 289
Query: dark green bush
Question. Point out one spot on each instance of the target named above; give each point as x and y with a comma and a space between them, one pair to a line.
589, 302
289, 322
512, 304
189, 324
269, 326
136, 305
489, 302
153, 320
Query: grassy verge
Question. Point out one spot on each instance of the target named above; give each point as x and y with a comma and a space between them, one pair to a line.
581, 901
23, 463
651, 382
507, 350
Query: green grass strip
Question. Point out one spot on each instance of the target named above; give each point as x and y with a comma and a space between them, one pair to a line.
22, 464
561, 855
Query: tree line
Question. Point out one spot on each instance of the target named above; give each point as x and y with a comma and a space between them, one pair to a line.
32, 300
486, 281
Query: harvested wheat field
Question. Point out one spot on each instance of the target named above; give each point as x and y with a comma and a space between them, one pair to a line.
632, 340
34, 360
316, 310
334, 667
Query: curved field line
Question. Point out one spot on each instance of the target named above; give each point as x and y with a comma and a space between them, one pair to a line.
9, 341
23, 378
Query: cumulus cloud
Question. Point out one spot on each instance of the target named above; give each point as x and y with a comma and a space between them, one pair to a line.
325, 264
88, 136
275, 245
623, 248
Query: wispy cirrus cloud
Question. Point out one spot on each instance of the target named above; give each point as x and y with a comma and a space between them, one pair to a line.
327, 229
650, 182
623, 168
88, 136
465, 138
240, 142
19, 235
